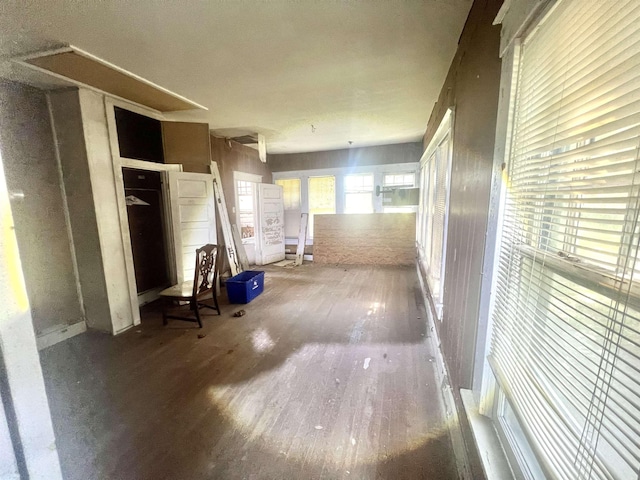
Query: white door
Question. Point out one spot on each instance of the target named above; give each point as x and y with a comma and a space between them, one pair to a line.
270, 234
193, 218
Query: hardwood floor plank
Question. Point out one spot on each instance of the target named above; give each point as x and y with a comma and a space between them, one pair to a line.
245, 401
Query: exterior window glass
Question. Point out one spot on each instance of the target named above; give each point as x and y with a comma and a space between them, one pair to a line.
291, 192
358, 196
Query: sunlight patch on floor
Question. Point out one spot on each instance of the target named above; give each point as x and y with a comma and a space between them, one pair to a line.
359, 418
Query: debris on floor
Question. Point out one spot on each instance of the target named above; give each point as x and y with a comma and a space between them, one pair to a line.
239, 313
230, 351
284, 263
366, 363
384, 355
202, 335
319, 427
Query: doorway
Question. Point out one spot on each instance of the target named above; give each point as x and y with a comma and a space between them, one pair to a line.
146, 216
245, 186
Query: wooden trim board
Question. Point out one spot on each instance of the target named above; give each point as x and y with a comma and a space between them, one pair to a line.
80, 67
59, 333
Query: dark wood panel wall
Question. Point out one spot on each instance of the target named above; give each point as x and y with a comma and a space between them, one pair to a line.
379, 155
471, 88
233, 156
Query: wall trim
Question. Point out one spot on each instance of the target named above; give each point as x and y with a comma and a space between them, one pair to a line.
442, 377
59, 333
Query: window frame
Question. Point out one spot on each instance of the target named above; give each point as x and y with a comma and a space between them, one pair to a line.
254, 180
427, 203
347, 191
484, 382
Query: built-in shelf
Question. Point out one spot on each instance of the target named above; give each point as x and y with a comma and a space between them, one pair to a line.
84, 69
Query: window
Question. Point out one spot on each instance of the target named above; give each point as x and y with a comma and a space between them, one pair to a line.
399, 180
291, 192
565, 348
433, 209
322, 198
245, 194
358, 193
398, 209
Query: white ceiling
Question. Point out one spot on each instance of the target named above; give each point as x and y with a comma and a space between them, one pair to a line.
307, 74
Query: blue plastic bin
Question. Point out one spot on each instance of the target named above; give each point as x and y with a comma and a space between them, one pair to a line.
245, 286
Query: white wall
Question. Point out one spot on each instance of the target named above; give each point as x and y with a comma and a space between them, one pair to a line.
41, 225
21, 383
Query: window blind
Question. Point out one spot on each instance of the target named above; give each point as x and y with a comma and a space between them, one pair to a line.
566, 339
290, 192
322, 198
433, 209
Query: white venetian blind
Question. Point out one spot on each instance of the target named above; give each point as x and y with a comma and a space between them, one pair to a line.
433, 211
566, 341
290, 192
322, 198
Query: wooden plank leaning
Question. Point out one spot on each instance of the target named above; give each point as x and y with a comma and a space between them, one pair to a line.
302, 238
227, 233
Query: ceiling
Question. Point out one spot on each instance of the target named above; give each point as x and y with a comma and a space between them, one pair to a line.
307, 74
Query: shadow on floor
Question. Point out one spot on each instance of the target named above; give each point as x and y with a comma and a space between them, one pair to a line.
328, 375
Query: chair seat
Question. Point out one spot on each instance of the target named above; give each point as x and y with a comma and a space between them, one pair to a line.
184, 289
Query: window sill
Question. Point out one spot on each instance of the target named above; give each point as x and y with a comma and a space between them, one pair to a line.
494, 460
602, 282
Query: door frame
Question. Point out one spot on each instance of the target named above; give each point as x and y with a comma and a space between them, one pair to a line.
245, 177
118, 163
167, 227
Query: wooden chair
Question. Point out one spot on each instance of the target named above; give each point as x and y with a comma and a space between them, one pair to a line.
194, 291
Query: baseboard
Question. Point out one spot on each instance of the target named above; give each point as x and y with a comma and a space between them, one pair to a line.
453, 421
59, 333
149, 296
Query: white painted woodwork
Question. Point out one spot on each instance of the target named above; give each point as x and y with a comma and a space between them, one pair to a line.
242, 254
269, 224
59, 333
192, 216
87, 70
123, 303
232, 256
302, 238
20, 362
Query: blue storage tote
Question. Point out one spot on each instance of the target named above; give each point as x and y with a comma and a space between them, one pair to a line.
245, 286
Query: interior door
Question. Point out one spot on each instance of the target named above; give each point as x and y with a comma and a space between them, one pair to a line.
270, 222
193, 218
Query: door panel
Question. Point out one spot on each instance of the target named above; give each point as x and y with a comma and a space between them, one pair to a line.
270, 235
192, 218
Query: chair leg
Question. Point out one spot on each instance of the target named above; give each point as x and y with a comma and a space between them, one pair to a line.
165, 322
215, 301
196, 310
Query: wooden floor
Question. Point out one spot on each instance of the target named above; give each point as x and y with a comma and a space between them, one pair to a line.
329, 375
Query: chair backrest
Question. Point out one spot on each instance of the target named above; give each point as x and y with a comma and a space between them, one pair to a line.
206, 269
